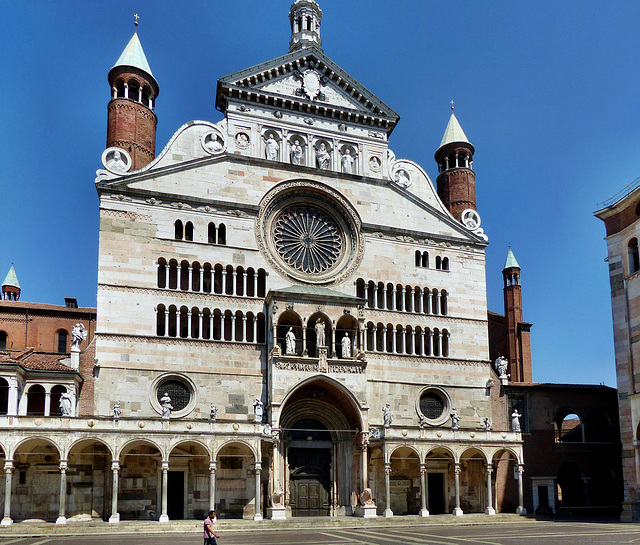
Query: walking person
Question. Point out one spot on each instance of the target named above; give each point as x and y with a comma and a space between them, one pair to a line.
209, 535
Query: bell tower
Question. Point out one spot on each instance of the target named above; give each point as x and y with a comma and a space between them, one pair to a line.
305, 17
456, 180
131, 121
518, 331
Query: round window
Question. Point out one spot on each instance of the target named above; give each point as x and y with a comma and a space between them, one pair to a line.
180, 390
179, 393
435, 405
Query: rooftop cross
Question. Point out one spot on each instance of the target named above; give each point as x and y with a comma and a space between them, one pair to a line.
136, 17
451, 101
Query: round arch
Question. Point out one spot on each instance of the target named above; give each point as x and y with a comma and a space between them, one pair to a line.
134, 443
88, 440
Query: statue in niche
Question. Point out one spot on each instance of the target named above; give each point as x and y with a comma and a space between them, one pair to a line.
347, 161
346, 346
515, 421
78, 334
65, 403
322, 157
319, 329
165, 401
455, 419
116, 163
290, 342
402, 178
213, 144
213, 413
387, 415
271, 148
258, 411
117, 411
296, 153
501, 367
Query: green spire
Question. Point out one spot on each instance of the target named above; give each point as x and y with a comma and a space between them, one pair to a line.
133, 55
511, 261
454, 132
11, 279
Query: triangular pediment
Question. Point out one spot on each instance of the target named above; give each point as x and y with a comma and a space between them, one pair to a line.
305, 78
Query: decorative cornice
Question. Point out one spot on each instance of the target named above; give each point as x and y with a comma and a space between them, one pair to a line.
180, 341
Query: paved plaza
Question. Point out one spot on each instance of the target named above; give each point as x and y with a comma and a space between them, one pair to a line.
538, 533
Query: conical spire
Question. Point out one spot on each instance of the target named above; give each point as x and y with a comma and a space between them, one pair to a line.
133, 55
11, 279
511, 261
454, 133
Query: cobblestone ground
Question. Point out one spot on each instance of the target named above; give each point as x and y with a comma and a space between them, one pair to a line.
556, 533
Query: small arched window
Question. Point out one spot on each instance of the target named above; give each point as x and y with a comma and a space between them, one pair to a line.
134, 90
188, 231
120, 89
634, 257
63, 337
438, 262
212, 233
3, 340
222, 234
418, 258
445, 263
179, 230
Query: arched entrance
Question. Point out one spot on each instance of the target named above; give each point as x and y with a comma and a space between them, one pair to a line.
318, 462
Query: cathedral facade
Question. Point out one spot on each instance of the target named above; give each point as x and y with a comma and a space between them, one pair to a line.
292, 321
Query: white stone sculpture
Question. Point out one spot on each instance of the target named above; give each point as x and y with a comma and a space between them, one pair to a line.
347, 161
486, 421
258, 410
117, 411
374, 433
455, 419
65, 403
515, 421
78, 334
116, 163
322, 157
213, 413
319, 328
388, 415
501, 365
290, 342
296, 153
422, 421
213, 144
402, 178
165, 401
271, 148
346, 346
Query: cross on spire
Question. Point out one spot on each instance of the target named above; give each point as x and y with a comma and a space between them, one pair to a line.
451, 101
136, 17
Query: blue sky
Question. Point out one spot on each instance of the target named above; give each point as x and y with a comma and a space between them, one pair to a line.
546, 91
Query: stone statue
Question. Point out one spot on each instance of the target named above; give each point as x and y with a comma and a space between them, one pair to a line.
515, 420
388, 415
266, 430
272, 148
319, 328
422, 421
402, 179
277, 498
65, 403
213, 144
347, 161
366, 498
165, 400
374, 433
116, 163
322, 157
486, 422
258, 410
290, 342
296, 153
346, 346
117, 411
213, 413
78, 334
501, 367
455, 419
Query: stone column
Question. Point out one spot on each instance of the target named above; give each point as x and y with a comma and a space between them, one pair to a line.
258, 512
8, 471
189, 324
244, 284
411, 295
422, 343
384, 338
393, 340
521, 509
365, 476
166, 276
457, 512
200, 316
420, 300
224, 281
489, 510
212, 485
427, 295
234, 284
47, 403
403, 338
423, 491
366, 295
211, 335
166, 322
244, 328
12, 409
430, 343
165, 481
402, 305
393, 299
436, 309
375, 296
255, 328
126, 90
384, 297
388, 513
63, 493
190, 282
333, 339
233, 327
201, 279
115, 516
413, 341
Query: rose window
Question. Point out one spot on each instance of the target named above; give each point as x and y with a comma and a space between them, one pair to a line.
307, 239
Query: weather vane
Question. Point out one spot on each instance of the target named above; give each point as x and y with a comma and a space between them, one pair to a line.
451, 101
136, 17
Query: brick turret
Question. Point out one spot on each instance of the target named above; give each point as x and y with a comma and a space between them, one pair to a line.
518, 336
456, 180
131, 120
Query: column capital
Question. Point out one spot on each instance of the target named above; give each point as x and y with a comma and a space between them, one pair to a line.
423, 468
64, 465
520, 469
456, 468
165, 465
213, 466
8, 465
258, 466
489, 469
115, 465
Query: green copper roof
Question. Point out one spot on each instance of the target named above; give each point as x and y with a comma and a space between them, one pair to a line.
511, 261
453, 132
133, 55
11, 279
